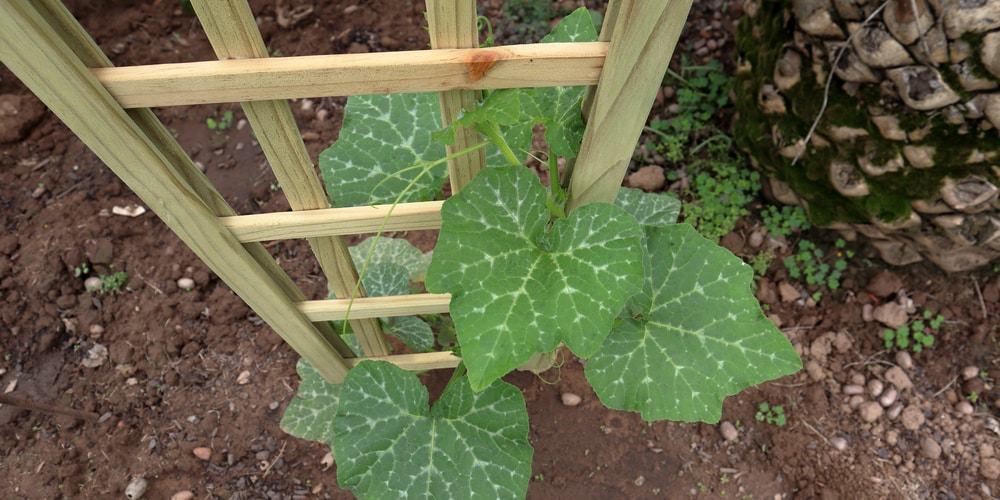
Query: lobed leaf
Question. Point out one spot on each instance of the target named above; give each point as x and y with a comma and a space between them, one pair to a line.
521, 287
390, 444
382, 135
649, 209
310, 414
694, 336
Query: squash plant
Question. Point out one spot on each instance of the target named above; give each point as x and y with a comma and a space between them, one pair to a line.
665, 317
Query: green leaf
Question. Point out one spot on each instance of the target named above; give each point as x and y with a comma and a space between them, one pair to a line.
310, 414
395, 250
648, 208
381, 136
696, 334
519, 287
576, 27
391, 445
412, 330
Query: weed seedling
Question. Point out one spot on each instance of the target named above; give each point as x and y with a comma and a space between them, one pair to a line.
223, 123
811, 265
915, 336
774, 415
785, 220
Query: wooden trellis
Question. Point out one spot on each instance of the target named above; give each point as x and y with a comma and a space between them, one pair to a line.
108, 108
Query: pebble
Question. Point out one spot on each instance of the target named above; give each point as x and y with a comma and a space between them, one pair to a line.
990, 468
570, 399
756, 239
202, 452
870, 411
888, 397
136, 488
728, 431
853, 389
891, 315
855, 401
964, 407
970, 372
838, 443
897, 377
866, 313
815, 371
894, 411
913, 418
182, 495
930, 448
243, 378
904, 360
185, 283
875, 388
92, 283
96, 330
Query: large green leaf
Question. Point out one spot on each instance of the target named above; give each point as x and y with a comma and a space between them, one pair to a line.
520, 287
390, 444
693, 336
381, 136
310, 414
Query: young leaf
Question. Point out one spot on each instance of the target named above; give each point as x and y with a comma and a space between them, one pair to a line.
696, 334
520, 287
649, 209
381, 136
310, 414
395, 250
391, 445
412, 330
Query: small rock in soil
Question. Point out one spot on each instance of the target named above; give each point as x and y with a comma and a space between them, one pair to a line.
897, 377
838, 443
884, 284
974, 386
990, 468
243, 378
182, 495
875, 388
891, 315
788, 292
894, 411
930, 448
913, 418
570, 399
815, 371
203, 452
728, 431
185, 284
904, 360
867, 313
970, 372
964, 407
648, 178
888, 398
756, 239
853, 389
96, 356
136, 488
870, 411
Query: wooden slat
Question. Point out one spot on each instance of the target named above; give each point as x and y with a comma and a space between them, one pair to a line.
643, 39
416, 362
516, 66
334, 221
375, 307
231, 29
41, 59
453, 26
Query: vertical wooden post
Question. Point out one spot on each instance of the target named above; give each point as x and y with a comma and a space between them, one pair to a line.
644, 35
453, 26
231, 29
41, 58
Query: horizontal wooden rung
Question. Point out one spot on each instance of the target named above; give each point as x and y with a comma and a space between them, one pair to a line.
334, 221
240, 80
415, 362
375, 307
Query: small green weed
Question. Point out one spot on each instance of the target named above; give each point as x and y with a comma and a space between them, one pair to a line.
915, 336
222, 123
810, 264
784, 220
761, 262
721, 187
81, 270
774, 415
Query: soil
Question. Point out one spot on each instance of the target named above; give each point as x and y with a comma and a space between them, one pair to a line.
161, 371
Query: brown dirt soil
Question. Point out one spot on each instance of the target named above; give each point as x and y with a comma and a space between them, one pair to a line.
171, 381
